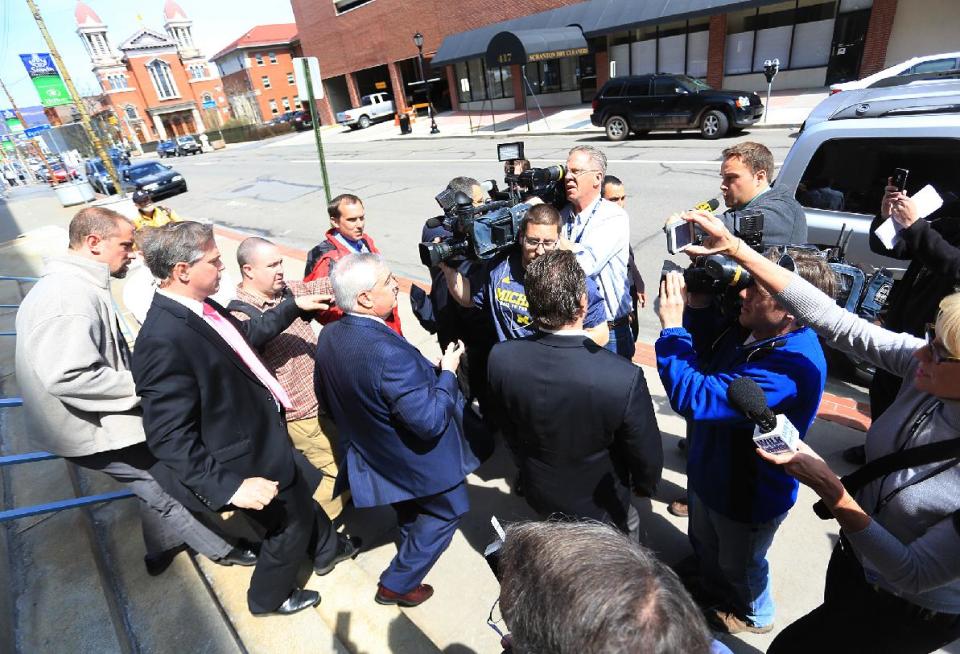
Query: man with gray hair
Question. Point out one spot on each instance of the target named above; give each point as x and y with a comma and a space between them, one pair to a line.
400, 421
73, 369
214, 415
583, 587
598, 232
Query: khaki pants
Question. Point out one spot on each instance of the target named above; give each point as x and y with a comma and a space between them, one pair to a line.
317, 439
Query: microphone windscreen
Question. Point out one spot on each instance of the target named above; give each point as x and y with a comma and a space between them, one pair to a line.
708, 205
745, 395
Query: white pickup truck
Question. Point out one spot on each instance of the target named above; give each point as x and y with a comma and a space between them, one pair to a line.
373, 108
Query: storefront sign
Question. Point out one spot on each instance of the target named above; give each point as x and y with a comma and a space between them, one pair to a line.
557, 54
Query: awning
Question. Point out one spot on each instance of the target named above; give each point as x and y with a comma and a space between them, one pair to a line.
521, 46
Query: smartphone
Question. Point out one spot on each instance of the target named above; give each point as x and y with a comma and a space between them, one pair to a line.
900, 178
680, 235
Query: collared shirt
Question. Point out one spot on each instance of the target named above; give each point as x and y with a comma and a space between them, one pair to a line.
368, 317
565, 332
290, 355
194, 305
355, 246
600, 236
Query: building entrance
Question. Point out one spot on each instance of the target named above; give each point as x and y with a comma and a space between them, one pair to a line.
849, 35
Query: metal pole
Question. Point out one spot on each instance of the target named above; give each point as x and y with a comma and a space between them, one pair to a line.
766, 114
315, 119
16, 111
77, 100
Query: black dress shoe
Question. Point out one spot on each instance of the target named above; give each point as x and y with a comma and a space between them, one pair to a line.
238, 556
347, 548
299, 600
158, 563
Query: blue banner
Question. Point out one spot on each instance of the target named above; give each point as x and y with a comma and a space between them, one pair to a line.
39, 64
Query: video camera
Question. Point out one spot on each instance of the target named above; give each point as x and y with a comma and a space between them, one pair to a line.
484, 231
717, 273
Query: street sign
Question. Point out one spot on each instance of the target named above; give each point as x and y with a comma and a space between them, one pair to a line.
209, 104
300, 77
380, 86
36, 131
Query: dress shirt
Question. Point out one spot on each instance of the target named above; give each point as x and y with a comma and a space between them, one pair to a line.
600, 237
565, 332
368, 317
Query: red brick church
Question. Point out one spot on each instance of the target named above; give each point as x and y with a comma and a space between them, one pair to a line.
156, 82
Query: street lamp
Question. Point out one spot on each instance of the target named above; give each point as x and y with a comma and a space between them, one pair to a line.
418, 41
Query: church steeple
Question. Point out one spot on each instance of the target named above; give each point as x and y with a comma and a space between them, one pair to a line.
180, 29
93, 33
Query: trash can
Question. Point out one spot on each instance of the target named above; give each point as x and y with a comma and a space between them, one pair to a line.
404, 123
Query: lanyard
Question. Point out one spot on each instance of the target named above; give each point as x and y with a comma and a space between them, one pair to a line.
583, 226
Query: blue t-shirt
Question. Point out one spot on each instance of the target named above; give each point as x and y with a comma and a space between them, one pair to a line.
498, 288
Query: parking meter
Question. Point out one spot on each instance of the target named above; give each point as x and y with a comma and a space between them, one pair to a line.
770, 70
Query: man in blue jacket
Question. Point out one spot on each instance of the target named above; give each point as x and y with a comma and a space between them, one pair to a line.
400, 421
736, 499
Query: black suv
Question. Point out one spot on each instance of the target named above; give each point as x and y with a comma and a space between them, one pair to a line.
641, 103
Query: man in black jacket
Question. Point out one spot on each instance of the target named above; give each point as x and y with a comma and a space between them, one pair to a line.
580, 416
745, 183
934, 273
214, 415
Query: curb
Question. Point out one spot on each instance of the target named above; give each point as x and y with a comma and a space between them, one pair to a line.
833, 408
511, 133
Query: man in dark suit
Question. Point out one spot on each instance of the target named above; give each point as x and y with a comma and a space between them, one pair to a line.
400, 422
579, 416
214, 415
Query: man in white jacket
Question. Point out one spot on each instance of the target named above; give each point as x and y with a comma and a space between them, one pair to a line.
73, 368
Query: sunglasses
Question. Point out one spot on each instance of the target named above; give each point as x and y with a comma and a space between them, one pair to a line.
937, 349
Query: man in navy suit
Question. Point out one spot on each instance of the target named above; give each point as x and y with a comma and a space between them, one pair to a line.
401, 424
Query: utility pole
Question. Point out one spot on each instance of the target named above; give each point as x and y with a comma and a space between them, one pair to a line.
16, 111
77, 100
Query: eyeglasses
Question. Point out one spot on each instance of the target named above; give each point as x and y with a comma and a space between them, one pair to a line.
936, 349
535, 243
492, 623
577, 173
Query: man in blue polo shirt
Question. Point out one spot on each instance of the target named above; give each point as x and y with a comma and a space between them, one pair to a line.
496, 285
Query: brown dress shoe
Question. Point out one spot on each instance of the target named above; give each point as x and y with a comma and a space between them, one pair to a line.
730, 623
415, 597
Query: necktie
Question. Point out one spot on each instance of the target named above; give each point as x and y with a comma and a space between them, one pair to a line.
239, 344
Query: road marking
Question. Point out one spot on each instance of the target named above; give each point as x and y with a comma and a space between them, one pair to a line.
654, 162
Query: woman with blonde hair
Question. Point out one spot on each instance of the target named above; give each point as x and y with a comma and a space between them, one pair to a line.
893, 582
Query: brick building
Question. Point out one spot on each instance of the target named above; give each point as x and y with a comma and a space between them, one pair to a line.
257, 72
562, 51
156, 82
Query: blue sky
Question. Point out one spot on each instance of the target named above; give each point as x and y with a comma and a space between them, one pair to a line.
215, 24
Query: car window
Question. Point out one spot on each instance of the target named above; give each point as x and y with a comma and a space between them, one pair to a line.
665, 86
613, 90
850, 174
146, 169
934, 66
366, 100
637, 88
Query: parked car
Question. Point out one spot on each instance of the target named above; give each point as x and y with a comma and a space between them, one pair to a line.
302, 120
119, 155
641, 103
188, 145
157, 178
96, 174
167, 148
282, 119
374, 107
58, 173
944, 62
839, 164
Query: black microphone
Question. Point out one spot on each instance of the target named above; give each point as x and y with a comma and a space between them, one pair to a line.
746, 396
708, 205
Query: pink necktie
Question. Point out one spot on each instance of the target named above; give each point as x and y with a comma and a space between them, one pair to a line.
239, 345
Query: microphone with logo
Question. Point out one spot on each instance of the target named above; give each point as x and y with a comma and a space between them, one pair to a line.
774, 433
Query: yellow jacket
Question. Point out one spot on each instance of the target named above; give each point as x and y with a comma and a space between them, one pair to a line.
160, 217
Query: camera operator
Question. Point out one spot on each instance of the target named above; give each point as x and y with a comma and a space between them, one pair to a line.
745, 182
736, 500
598, 232
497, 284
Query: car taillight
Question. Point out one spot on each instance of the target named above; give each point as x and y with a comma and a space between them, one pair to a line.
834, 91
595, 103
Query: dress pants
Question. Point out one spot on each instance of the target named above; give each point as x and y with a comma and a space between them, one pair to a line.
857, 618
295, 527
166, 523
426, 527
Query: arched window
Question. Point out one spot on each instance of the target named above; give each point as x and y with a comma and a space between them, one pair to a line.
131, 112
162, 79
206, 97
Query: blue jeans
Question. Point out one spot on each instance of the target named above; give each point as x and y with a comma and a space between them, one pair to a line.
622, 341
733, 560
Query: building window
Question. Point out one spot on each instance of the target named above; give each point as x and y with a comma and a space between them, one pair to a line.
273, 57
273, 107
679, 47
290, 79
296, 104
346, 5
485, 83
553, 76
286, 103
799, 33
198, 71
259, 58
206, 97
115, 82
131, 112
162, 79
266, 82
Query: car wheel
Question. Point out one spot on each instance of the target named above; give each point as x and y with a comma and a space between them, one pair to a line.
714, 124
364, 122
617, 128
